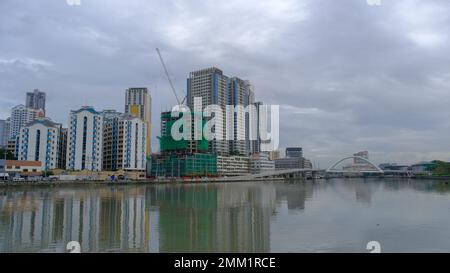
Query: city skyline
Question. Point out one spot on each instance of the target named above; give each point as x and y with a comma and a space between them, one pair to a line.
344, 95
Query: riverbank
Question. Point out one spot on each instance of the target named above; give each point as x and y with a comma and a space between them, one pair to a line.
133, 182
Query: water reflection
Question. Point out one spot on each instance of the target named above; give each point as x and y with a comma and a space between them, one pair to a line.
234, 217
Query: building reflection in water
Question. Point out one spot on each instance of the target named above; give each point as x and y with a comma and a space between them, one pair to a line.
155, 218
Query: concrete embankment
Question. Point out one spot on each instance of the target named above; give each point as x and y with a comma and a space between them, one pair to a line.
131, 182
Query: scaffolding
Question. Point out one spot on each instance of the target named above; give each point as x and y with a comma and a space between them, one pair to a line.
177, 165
169, 145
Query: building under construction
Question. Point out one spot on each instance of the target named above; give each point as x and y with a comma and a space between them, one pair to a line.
181, 158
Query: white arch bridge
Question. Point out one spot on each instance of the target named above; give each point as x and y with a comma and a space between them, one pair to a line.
294, 173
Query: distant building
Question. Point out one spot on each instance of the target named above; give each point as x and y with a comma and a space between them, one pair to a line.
13, 147
39, 141
4, 132
292, 163
393, 167
294, 152
36, 100
124, 143
261, 163
62, 152
422, 167
273, 155
85, 140
289, 163
138, 103
363, 154
21, 115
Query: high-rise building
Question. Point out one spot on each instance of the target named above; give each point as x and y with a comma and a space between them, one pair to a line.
212, 86
36, 100
85, 140
21, 115
39, 140
4, 132
138, 103
124, 143
294, 152
240, 94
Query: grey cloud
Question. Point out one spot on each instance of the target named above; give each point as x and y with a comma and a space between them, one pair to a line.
347, 75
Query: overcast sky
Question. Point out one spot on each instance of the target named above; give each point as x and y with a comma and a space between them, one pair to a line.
348, 76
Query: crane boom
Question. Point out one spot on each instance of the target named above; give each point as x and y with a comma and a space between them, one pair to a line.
168, 77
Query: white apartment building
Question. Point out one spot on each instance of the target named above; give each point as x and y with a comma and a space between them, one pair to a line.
124, 143
21, 115
85, 140
39, 141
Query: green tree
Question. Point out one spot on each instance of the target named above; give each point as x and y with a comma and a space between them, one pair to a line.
9, 155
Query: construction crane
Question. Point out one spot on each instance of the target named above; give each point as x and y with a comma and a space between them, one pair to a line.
168, 78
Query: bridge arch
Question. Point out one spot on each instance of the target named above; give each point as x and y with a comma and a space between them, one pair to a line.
330, 169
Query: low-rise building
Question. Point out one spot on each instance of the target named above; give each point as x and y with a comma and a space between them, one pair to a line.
289, 163
19, 167
233, 165
261, 163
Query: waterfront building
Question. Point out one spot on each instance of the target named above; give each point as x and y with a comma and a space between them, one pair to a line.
138, 103
213, 87
21, 115
289, 163
4, 132
393, 167
124, 143
39, 141
21, 167
85, 140
36, 100
261, 163
183, 165
233, 165
294, 152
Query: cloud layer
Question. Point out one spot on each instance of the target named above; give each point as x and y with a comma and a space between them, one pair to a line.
348, 76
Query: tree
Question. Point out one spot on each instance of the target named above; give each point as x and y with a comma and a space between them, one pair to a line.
9, 155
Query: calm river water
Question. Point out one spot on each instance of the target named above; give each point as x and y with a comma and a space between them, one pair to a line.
324, 216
